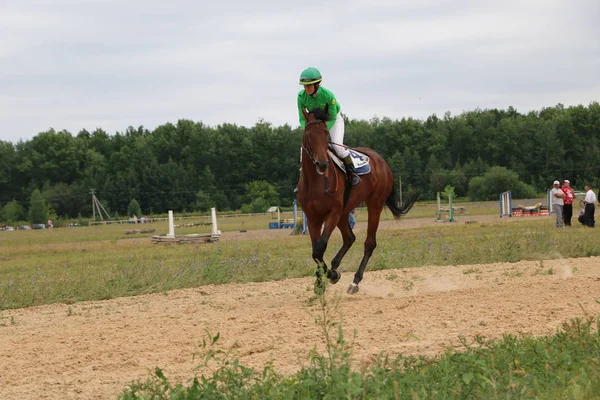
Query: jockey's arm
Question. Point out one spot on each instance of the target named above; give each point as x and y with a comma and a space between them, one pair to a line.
333, 110
301, 114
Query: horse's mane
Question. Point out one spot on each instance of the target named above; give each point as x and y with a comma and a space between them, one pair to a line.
320, 114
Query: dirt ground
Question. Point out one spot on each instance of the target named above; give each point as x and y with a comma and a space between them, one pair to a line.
92, 350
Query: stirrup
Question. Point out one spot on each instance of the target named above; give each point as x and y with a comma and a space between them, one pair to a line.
355, 179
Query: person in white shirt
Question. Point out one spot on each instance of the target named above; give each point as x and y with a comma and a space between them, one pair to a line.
557, 203
590, 207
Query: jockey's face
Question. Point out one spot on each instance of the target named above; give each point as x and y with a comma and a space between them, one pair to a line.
310, 89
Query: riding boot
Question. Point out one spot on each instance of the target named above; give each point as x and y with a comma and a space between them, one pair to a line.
350, 170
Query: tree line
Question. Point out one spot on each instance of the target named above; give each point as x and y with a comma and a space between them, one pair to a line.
189, 166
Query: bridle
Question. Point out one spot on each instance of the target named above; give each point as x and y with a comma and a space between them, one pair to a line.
307, 149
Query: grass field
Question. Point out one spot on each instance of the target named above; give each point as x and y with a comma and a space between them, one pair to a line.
101, 262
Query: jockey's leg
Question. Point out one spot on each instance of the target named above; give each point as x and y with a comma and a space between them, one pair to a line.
296, 189
337, 136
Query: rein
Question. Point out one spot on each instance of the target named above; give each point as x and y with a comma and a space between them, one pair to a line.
331, 166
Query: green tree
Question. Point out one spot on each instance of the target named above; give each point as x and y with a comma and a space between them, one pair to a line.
168, 167
496, 181
414, 175
458, 180
397, 164
209, 195
134, 209
476, 189
12, 212
7, 160
257, 205
66, 200
55, 157
38, 209
261, 190
203, 201
448, 191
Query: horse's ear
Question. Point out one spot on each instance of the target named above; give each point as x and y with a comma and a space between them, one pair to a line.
307, 116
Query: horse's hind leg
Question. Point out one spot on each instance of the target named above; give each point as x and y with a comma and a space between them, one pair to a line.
370, 244
349, 238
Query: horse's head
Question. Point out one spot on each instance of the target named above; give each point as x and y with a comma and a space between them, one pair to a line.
316, 138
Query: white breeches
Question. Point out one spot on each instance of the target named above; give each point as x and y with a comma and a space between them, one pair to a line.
337, 136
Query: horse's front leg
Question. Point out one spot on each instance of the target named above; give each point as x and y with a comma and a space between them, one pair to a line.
349, 238
320, 244
314, 229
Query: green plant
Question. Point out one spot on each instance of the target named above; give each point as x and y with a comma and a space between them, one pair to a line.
6, 321
134, 209
471, 271
564, 365
38, 209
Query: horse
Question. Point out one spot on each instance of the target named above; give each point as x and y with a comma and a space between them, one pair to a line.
327, 197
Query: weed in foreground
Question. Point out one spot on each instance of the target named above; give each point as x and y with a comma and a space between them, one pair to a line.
565, 365
471, 271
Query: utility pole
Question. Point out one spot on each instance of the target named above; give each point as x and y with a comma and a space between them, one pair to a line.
400, 187
93, 204
96, 205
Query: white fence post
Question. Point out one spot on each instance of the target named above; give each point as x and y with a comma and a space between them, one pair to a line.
215, 231
171, 225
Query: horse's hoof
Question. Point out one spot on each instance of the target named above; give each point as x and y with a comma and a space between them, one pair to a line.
352, 289
334, 276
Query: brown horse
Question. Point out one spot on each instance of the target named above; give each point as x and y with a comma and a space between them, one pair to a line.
323, 195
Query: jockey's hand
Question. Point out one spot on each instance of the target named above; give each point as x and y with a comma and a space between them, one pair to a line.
320, 114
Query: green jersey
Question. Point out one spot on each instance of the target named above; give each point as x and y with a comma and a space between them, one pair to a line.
323, 98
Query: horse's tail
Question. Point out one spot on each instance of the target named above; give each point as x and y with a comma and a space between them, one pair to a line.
397, 208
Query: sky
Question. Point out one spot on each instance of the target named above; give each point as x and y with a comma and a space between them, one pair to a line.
88, 64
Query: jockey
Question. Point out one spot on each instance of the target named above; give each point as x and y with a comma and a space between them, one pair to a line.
315, 96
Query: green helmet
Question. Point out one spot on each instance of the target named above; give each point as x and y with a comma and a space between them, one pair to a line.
309, 76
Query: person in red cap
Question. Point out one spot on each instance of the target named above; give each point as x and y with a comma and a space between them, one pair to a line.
568, 199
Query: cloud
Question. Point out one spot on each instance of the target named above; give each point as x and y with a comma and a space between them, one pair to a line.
73, 65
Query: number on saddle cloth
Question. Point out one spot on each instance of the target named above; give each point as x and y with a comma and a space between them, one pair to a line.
360, 160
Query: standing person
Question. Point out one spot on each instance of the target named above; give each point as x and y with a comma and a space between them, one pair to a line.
557, 203
590, 207
568, 199
352, 218
314, 96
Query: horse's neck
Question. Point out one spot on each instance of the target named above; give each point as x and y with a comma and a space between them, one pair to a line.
309, 172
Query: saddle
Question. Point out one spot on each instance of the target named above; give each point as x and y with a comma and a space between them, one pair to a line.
360, 160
